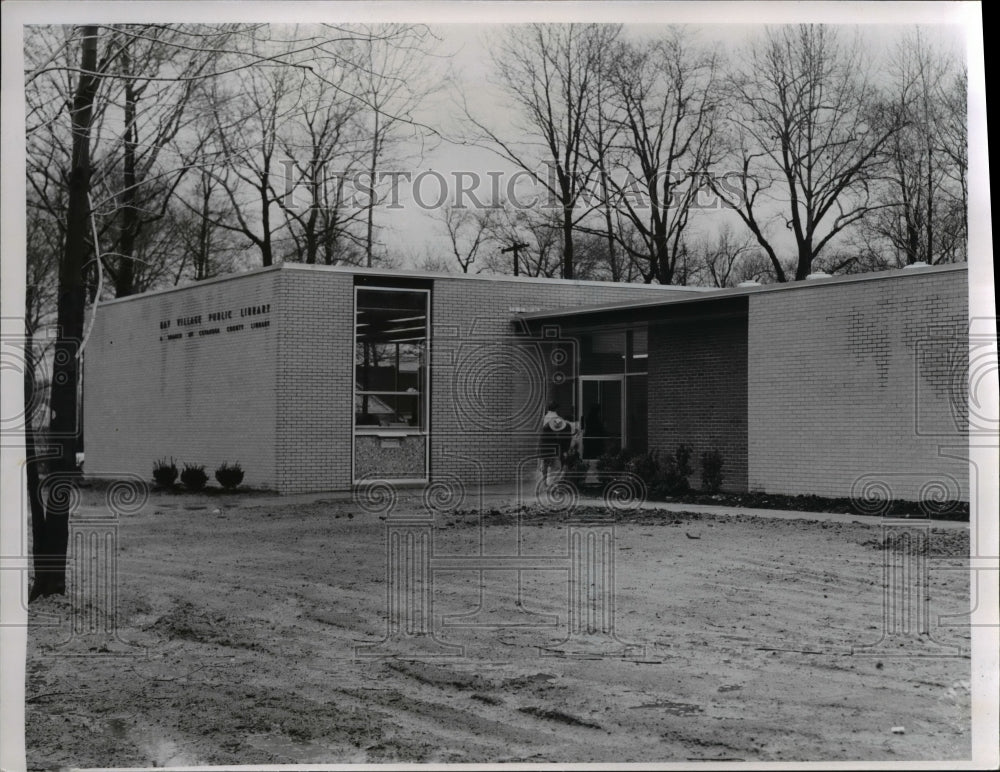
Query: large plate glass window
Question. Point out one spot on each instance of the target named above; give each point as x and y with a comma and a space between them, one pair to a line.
390, 383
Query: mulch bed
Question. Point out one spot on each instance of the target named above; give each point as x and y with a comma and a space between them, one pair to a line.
938, 510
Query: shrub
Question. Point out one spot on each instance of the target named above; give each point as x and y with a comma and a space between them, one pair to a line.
645, 466
684, 461
194, 477
611, 465
663, 475
711, 471
670, 481
229, 475
674, 472
165, 474
575, 469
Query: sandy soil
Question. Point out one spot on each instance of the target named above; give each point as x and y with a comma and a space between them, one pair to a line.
238, 621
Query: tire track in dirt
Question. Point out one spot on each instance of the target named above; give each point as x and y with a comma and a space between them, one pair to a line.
249, 622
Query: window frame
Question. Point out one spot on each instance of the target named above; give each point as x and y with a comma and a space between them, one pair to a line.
423, 395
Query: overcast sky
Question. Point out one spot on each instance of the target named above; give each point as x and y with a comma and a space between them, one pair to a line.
411, 230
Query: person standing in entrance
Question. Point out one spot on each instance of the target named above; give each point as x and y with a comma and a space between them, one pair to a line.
554, 441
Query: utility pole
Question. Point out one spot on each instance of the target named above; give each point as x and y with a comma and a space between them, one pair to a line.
516, 247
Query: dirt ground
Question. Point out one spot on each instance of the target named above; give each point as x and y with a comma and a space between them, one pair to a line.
749, 638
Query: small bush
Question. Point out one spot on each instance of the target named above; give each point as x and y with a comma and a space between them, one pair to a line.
575, 468
683, 457
663, 475
671, 481
611, 465
675, 469
229, 475
194, 477
711, 471
645, 466
164, 473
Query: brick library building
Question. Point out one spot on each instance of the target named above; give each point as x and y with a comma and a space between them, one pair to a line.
319, 378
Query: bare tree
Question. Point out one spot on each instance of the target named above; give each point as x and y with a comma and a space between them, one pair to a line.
804, 140
248, 129
924, 190
601, 257
395, 78
665, 92
44, 242
154, 110
728, 260
323, 144
953, 134
49, 151
602, 134
73, 78
50, 518
145, 97
538, 235
207, 249
549, 73
46, 200
468, 231
432, 263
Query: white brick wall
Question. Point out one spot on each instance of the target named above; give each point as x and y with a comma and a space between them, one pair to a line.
858, 383
315, 369
203, 399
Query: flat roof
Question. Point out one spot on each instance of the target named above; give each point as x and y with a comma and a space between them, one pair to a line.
414, 274
405, 274
709, 294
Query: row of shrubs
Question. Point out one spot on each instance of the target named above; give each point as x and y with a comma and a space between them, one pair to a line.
663, 475
193, 477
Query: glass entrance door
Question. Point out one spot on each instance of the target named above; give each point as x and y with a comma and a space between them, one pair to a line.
601, 409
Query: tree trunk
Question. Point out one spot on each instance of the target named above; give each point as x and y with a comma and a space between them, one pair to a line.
35, 502
609, 230
125, 276
51, 553
267, 256
663, 265
929, 249
371, 204
311, 234
567, 228
804, 266
203, 256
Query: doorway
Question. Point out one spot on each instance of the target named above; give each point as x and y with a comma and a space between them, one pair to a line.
602, 409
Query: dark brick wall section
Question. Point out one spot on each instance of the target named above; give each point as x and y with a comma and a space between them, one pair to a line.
698, 393
488, 388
